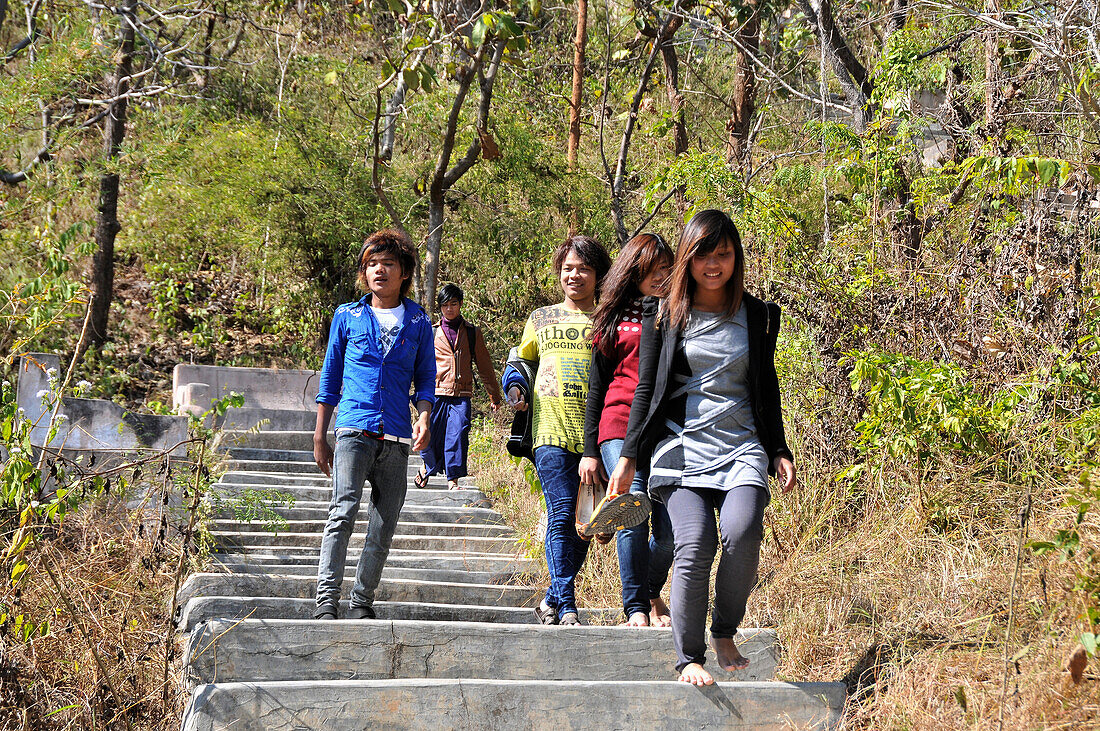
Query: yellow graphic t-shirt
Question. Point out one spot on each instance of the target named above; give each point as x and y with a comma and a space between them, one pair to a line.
559, 339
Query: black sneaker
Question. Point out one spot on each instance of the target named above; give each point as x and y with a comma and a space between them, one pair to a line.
325, 611
361, 613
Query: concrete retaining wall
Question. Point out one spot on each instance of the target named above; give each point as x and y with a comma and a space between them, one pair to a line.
91, 424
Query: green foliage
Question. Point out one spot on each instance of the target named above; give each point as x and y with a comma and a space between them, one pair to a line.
254, 505
920, 410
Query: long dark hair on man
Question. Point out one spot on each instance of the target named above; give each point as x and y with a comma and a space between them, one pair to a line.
621, 285
706, 231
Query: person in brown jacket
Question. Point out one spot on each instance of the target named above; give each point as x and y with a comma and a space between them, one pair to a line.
458, 346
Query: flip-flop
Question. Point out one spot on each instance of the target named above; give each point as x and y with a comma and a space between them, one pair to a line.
420, 480
614, 514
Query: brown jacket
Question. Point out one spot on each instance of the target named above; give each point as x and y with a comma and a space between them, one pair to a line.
454, 373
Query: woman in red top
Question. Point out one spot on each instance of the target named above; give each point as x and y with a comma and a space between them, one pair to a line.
640, 270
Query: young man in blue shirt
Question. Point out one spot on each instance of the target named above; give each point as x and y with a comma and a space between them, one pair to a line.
378, 348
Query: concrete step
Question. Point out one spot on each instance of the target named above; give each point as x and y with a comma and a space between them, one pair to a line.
245, 418
321, 491
461, 576
413, 512
205, 608
494, 562
316, 479
396, 590
258, 650
503, 705
269, 454
287, 466
405, 527
461, 544
296, 554
269, 439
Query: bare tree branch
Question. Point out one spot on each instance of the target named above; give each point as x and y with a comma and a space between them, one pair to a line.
32, 29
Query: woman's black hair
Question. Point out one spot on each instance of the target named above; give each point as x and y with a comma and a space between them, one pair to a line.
449, 291
638, 258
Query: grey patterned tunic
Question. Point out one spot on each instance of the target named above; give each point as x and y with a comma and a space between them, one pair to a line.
717, 446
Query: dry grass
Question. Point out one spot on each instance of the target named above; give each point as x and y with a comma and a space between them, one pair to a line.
118, 576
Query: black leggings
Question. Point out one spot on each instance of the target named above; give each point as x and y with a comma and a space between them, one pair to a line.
741, 519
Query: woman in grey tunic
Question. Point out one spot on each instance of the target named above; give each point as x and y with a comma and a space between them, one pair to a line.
707, 419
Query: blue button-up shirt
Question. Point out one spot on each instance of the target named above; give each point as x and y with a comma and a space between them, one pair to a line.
369, 387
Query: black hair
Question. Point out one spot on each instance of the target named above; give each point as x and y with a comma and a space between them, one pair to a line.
395, 243
449, 291
588, 250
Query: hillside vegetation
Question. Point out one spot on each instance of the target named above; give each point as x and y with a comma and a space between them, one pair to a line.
916, 183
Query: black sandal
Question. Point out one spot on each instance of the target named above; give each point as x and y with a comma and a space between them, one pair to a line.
420, 480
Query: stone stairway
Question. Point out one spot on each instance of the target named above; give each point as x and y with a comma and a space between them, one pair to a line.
456, 644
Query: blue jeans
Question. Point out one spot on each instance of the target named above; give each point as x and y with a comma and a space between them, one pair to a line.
644, 562
450, 442
359, 458
565, 551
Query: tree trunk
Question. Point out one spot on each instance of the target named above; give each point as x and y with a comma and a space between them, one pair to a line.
899, 14
992, 66
743, 101
444, 178
671, 63
848, 69
575, 101
668, 28
107, 226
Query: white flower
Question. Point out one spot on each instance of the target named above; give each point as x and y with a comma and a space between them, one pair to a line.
22, 412
16, 451
51, 372
83, 385
34, 503
42, 394
7, 384
61, 418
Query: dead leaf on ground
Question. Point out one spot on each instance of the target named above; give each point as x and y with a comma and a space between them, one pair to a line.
489, 149
1078, 660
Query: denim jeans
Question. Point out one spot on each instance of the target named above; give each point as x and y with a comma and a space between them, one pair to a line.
359, 458
565, 551
643, 561
741, 520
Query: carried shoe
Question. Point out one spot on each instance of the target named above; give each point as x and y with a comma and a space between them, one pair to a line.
361, 613
546, 613
603, 538
420, 480
614, 514
570, 619
325, 611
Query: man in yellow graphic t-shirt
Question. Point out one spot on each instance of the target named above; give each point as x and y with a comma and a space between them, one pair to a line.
559, 339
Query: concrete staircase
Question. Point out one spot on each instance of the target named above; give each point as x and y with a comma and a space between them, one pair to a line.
456, 644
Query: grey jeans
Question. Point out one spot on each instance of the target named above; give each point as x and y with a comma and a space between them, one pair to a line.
741, 519
359, 458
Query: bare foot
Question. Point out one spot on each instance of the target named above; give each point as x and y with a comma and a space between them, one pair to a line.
658, 613
637, 619
695, 674
729, 657
452, 484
